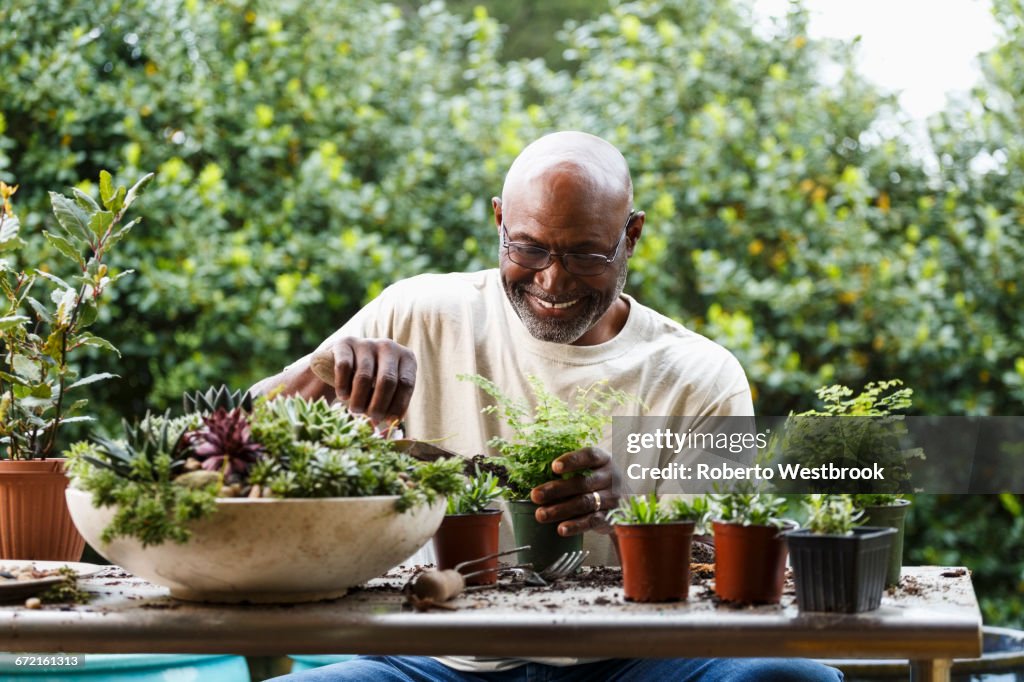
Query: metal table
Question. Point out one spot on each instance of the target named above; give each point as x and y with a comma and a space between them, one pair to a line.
931, 619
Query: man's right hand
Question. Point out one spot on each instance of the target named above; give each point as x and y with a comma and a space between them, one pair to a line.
375, 377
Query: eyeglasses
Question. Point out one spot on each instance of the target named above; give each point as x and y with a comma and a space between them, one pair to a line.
538, 258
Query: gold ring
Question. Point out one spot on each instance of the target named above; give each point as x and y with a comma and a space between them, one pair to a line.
597, 501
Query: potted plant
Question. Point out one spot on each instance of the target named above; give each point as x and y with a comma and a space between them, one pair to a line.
542, 434
858, 430
750, 550
40, 333
293, 500
654, 547
470, 527
887, 510
838, 566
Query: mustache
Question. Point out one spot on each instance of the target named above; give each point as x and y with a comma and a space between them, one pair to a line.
547, 298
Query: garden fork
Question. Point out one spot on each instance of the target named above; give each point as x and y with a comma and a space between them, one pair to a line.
559, 568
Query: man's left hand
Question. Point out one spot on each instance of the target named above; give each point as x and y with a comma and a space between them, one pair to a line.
572, 502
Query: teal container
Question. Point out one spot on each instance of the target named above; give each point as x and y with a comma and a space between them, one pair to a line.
300, 663
130, 668
891, 516
546, 545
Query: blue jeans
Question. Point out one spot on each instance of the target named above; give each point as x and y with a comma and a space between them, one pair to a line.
423, 669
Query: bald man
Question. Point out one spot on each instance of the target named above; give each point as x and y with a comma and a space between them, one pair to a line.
555, 309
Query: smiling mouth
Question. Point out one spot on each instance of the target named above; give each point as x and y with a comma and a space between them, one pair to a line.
557, 306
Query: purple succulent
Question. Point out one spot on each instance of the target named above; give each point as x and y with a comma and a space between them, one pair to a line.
225, 437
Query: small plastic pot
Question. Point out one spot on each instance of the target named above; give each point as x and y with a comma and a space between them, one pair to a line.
840, 573
750, 562
463, 537
655, 560
546, 545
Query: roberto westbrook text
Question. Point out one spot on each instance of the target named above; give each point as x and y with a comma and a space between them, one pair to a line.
793, 472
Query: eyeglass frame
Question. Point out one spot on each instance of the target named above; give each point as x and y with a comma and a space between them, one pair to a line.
506, 244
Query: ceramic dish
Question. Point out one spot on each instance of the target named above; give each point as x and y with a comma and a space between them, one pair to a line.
19, 590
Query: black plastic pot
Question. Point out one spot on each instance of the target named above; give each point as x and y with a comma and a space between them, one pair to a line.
840, 573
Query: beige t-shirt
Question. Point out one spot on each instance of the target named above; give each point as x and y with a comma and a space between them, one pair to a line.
463, 323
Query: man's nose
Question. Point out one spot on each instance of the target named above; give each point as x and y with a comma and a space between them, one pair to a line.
554, 279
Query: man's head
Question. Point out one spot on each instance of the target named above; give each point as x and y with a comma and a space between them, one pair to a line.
568, 193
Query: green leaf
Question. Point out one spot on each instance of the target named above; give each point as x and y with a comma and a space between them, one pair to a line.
120, 275
70, 216
99, 223
43, 390
87, 339
87, 314
12, 321
9, 239
75, 420
64, 246
41, 310
106, 188
26, 367
137, 188
84, 200
117, 201
119, 234
53, 278
13, 379
91, 379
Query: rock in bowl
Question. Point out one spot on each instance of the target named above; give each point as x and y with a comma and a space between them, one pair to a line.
270, 550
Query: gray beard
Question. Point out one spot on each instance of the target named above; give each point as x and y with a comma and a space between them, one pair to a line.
569, 331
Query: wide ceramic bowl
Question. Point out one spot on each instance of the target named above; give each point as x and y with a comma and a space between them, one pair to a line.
270, 550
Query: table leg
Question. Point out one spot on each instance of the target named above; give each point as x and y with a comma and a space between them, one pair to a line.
937, 670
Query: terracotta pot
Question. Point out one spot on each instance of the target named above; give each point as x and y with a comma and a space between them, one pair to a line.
655, 560
34, 519
463, 537
546, 545
750, 563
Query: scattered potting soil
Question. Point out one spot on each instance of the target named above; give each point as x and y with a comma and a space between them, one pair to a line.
701, 553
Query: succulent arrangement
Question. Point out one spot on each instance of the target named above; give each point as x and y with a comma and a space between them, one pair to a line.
547, 431
478, 492
831, 514
648, 509
165, 472
749, 509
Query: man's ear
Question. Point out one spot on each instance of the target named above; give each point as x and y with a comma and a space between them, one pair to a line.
636, 226
496, 205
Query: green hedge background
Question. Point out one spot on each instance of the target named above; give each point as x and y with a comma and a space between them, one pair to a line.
309, 152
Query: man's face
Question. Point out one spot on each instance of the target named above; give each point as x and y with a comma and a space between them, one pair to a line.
555, 304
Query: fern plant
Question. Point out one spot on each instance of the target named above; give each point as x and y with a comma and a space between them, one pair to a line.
544, 433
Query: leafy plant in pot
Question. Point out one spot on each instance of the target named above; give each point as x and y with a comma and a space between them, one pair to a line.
838, 566
858, 430
39, 336
654, 547
542, 434
469, 529
750, 550
310, 496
